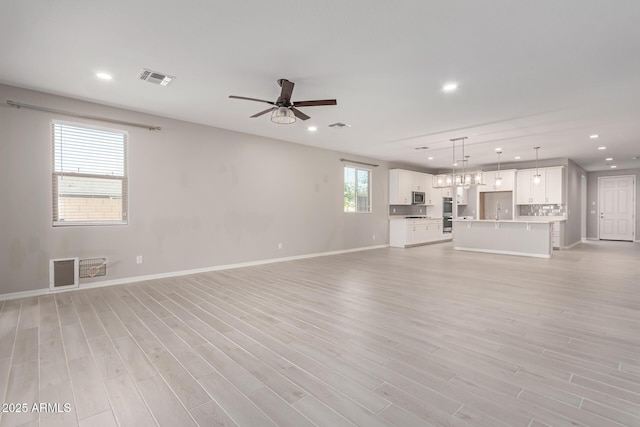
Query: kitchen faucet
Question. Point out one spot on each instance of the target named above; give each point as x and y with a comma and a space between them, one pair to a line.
498, 211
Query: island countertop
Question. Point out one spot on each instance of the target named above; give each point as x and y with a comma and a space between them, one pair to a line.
510, 237
527, 219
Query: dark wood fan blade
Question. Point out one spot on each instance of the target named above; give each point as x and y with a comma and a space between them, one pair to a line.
299, 114
315, 103
287, 89
251, 99
263, 112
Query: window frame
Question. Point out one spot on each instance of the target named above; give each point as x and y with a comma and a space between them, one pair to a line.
369, 190
123, 179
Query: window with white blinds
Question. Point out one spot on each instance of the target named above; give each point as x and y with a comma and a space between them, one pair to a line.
89, 175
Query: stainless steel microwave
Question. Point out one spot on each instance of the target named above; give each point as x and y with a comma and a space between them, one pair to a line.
417, 198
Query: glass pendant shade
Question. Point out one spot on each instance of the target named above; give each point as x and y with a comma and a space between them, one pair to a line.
498, 182
283, 116
536, 177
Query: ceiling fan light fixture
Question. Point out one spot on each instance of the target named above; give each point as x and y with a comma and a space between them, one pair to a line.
283, 116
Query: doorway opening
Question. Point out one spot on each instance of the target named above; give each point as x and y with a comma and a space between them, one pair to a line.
616, 207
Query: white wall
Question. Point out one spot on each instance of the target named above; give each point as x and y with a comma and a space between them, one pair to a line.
573, 187
199, 197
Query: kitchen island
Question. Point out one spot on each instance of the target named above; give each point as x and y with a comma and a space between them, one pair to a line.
523, 237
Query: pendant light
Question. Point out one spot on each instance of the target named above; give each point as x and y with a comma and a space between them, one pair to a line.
537, 177
467, 177
498, 182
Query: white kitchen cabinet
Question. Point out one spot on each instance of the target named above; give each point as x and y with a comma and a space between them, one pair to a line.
548, 192
400, 184
430, 195
447, 191
410, 232
555, 234
554, 186
403, 182
434, 231
489, 179
461, 195
524, 179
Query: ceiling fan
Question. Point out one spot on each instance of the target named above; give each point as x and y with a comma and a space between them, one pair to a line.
284, 111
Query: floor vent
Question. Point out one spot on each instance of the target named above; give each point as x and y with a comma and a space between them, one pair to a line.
93, 267
64, 273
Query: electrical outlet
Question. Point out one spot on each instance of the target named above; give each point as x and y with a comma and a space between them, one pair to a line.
139, 259
394, 210
374, 237
280, 245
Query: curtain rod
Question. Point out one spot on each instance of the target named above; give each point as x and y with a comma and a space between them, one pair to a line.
360, 163
19, 105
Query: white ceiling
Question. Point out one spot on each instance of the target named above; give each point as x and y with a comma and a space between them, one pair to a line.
542, 73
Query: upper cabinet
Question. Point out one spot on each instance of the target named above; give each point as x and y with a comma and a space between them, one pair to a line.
402, 183
461, 196
489, 179
549, 191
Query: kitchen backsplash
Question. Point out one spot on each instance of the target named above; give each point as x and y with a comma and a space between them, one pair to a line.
408, 210
542, 210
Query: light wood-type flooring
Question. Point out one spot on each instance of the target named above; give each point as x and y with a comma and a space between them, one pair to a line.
406, 337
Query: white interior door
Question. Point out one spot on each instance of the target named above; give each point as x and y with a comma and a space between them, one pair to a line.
617, 207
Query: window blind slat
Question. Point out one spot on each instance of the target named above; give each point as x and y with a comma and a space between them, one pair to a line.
89, 175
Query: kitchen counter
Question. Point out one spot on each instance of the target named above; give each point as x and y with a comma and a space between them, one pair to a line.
531, 238
403, 217
529, 219
412, 230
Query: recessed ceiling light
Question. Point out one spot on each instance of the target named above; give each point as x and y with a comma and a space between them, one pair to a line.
613, 166
608, 159
312, 128
602, 148
593, 136
455, 164
498, 149
104, 76
429, 158
450, 87
517, 157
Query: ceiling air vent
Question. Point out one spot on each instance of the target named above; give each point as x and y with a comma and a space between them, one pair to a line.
155, 77
339, 125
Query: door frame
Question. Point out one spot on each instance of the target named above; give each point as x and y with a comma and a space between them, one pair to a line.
635, 204
583, 208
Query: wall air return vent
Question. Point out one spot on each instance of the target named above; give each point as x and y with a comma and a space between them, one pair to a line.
155, 77
64, 273
339, 125
93, 267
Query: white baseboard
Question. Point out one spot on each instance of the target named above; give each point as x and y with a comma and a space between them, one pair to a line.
38, 292
491, 251
572, 245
